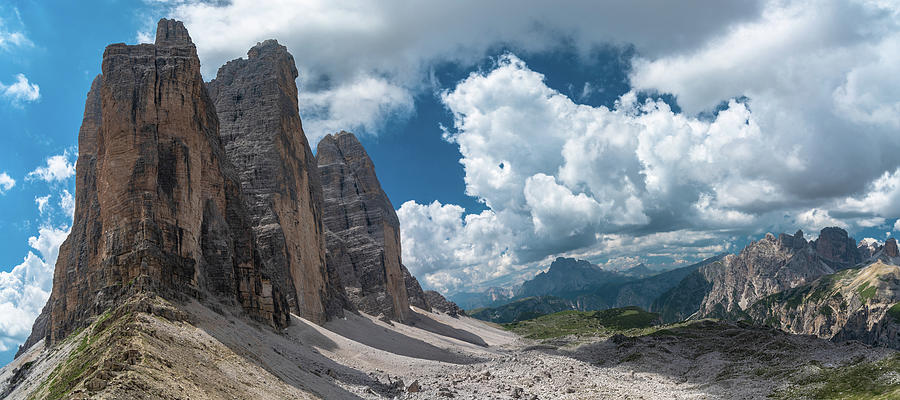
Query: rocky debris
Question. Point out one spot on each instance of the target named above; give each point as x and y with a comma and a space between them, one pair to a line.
703, 360
260, 128
158, 205
211, 355
362, 230
440, 304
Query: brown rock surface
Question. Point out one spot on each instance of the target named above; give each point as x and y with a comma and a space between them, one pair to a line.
837, 249
158, 205
362, 229
260, 128
890, 248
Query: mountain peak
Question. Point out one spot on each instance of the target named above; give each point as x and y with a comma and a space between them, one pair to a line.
837, 248
170, 32
890, 248
363, 231
792, 242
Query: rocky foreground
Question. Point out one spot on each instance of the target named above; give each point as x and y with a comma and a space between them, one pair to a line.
150, 348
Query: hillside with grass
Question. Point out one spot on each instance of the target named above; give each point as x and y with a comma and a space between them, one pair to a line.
521, 309
854, 304
586, 323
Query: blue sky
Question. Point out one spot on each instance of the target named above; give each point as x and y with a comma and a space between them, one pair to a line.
510, 133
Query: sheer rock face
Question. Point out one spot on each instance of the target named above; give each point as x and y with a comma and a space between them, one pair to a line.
76, 250
158, 205
764, 267
362, 229
416, 295
260, 128
852, 304
837, 249
890, 248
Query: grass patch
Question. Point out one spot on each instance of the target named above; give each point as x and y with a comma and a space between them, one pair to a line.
868, 380
894, 312
628, 320
80, 362
866, 292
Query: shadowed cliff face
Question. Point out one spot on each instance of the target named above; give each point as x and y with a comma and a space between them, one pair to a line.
260, 128
158, 205
363, 232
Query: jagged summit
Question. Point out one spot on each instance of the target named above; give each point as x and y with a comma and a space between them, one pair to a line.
159, 205
362, 229
170, 32
261, 131
837, 248
725, 289
210, 191
890, 248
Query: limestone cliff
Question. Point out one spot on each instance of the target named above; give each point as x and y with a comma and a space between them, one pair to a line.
158, 206
764, 267
260, 128
854, 304
439, 303
726, 288
414, 292
362, 230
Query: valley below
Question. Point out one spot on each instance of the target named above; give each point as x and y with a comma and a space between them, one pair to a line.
150, 348
214, 255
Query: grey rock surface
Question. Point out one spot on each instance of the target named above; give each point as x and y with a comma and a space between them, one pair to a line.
417, 296
771, 265
261, 131
439, 303
362, 229
852, 304
158, 204
837, 249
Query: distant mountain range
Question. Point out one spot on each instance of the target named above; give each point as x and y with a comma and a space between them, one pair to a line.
580, 285
492, 297
854, 304
832, 287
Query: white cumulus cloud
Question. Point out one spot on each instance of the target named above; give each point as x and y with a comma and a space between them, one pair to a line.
58, 168
21, 91
6, 182
11, 38
390, 47
24, 290
67, 203
41, 202
788, 118
567, 178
